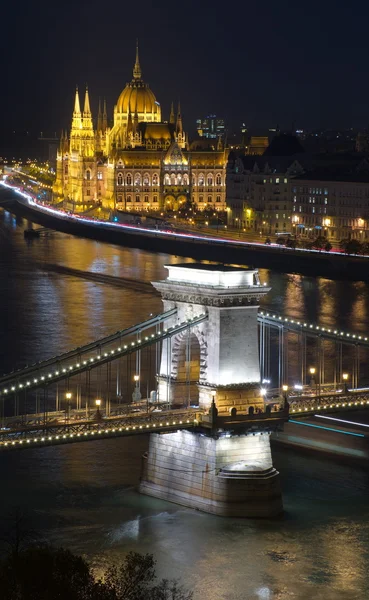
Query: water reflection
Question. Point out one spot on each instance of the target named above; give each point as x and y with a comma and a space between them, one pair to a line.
83, 495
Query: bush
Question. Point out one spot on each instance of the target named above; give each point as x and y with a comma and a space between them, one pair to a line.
292, 243
47, 573
351, 246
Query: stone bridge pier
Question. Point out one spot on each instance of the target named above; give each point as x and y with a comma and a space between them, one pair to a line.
225, 467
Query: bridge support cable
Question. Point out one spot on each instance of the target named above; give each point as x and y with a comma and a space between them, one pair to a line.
331, 352
55, 386
280, 356
302, 347
267, 369
188, 368
78, 352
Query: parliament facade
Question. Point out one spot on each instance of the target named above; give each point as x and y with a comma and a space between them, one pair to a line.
141, 163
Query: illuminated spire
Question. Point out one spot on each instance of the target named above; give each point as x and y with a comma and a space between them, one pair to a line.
77, 107
172, 117
104, 117
86, 108
179, 119
135, 121
137, 69
129, 122
99, 117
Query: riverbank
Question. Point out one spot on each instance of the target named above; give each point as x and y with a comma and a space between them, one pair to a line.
285, 260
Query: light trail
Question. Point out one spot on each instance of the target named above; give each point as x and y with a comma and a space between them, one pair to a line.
171, 234
341, 420
327, 428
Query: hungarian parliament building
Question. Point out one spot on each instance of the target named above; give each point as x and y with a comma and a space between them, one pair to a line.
141, 163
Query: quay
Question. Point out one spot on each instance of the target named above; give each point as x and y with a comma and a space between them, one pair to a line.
200, 247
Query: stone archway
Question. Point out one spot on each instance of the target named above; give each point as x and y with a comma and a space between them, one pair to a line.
188, 366
170, 202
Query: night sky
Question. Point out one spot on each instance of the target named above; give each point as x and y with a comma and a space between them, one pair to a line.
263, 62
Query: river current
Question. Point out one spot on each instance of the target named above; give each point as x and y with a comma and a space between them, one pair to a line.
83, 496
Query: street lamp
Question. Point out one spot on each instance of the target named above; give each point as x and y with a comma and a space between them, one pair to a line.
98, 416
68, 397
285, 394
345, 378
136, 395
312, 371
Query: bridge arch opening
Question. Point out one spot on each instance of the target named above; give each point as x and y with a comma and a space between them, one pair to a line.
186, 369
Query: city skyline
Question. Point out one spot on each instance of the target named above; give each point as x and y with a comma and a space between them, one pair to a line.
289, 68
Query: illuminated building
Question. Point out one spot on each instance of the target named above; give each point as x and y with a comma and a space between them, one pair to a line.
258, 187
258, 145
332, 205
211, 127
141, 163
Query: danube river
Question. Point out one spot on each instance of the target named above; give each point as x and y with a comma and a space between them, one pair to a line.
83, 496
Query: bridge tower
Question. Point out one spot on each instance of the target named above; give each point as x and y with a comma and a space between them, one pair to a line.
220, 355
226, 467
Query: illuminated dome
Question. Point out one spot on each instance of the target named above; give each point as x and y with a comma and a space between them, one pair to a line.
137, 97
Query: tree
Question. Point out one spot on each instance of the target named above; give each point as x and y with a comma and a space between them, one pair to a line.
328, 246
45, 573
132, 578
170, 590
351, 246
292, 243
365, 248
186, 207
319, 243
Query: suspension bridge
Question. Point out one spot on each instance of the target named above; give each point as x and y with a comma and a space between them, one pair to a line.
55, 400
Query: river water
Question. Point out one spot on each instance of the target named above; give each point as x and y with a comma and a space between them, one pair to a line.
83, 496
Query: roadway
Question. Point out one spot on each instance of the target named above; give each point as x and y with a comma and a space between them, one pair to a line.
342, 435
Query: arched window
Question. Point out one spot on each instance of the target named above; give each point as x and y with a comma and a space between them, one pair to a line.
137, 179
166, 179
146, 198
146, 179
155, 199
138, 199
179, 179
155, 179
210, 199
173, 179
218, 179
129, 179
185, 179
210, 179
201, 179
88, 174
193, 179
120, 179
218, 198
201, 198
129, 199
